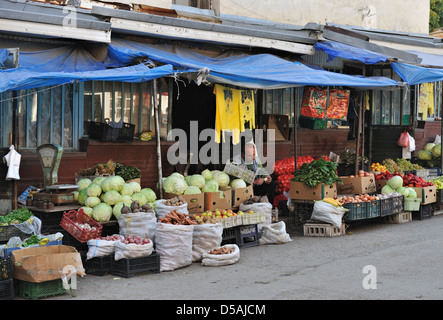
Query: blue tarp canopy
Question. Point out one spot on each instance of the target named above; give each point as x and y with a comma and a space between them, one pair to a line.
4, 53
413, 74
262, 71
17, 79
336, 49
428, 59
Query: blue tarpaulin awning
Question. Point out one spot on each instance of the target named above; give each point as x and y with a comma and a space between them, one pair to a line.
413, 74
337, 49
262, 71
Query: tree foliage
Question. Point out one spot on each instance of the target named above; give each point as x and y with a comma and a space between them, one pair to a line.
435, 15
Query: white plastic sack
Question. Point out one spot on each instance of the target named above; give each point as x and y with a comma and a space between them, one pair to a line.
174, 245
216, 260
100, 248
161, 209
205, 237
328, 213
140, 224
274, 233
132, 250
258, 207
31, 226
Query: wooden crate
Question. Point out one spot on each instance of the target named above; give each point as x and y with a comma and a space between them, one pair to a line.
398, 218
319, 229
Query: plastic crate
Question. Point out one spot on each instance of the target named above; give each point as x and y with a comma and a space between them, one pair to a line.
386, 207
412, 204
128, 267
357, 211
105, 133
247, 236
37, 290
241, 172
424, 213
98, 266
315, 124
319, 229
229, 235
71, 217
7, 289
7, 232
302, 211
373, 208
5, 268
398, 204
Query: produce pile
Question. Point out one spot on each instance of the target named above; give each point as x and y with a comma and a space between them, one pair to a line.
175, 217
438, 182
411, 180
431, 154
15, 217
400, 165
357, 198
395, 185
284, 171
112, 168
221, 250
207, 181
317, 171
103, 197
378, 167
214, 216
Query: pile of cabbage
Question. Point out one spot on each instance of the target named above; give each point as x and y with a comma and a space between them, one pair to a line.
395, 185
431, 154
207, 181
103, 197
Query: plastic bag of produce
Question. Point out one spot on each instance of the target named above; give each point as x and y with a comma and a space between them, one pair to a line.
174, 245
132, 250
205, 237
161, 209
328, 213
140, 224
274, 233
101, 247
257, 207
216, 260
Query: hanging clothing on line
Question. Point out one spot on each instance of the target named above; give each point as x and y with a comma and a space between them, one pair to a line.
233, 109
12, 160
426, 100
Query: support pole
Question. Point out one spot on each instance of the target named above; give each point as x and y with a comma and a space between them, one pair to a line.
157, 141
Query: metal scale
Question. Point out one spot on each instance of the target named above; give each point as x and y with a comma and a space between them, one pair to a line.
50, 156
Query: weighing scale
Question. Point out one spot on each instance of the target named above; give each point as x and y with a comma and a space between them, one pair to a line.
50, 156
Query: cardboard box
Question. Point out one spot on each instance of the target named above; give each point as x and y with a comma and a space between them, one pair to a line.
46, 263
196, 202
300, 191
426, 194
357, 185
239, 195
379, 184
218, 200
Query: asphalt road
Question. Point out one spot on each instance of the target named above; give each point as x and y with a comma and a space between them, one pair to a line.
374, 260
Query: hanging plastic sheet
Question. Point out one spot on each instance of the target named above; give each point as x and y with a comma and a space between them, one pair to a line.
337, 49
413, 74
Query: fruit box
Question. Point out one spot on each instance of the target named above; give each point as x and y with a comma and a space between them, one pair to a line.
218, 200
196, 202
239, 195
300, 191
357, 185
46, 263
426, 194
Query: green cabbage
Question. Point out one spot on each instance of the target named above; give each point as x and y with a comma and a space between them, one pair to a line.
403, 190
83, 184
140, 198
222, 179
174, 184
135, 186
112, 183
424, 155
429, 146
112, 197
197, 180
436, 151
102, 212
91, 202
126, 199
238, 183
116, 211
387, 189
126, 190
94, 190
210, 186
98, 180
192, 190
207, 174
149, 194
395, 182
87, 211
176, 174
412, 193
75, 195
82, 195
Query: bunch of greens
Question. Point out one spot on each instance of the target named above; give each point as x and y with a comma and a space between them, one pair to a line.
318, 171
348, 158
15, 216
127, 172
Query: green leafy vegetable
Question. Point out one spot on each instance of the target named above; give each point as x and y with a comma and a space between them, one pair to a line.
318, 171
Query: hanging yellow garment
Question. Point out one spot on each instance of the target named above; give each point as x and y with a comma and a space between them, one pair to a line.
227, 116
247, 109
426, 100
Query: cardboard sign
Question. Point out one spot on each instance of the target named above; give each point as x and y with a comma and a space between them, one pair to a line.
46, 263
300, 191
357, 185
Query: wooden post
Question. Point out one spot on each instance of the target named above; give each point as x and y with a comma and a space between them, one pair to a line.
357, 143
157, 141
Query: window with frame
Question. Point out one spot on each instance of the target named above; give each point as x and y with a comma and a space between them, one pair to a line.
281, 102
391, 106
201, 4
